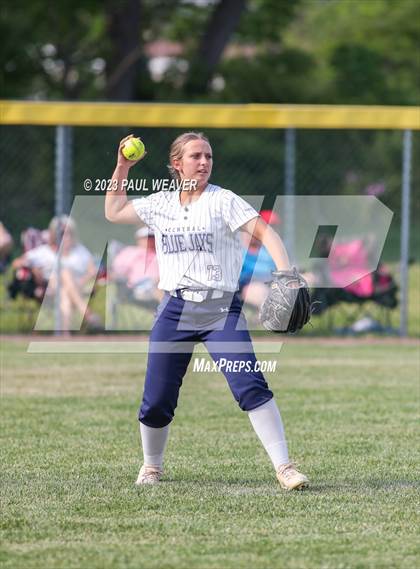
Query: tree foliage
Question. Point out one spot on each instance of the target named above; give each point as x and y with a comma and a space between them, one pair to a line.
348, 51
367, 51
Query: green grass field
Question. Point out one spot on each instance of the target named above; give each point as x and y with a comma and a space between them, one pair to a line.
71, 455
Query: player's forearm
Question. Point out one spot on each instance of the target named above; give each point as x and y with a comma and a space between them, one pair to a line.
271, 241
116, 197
275, 246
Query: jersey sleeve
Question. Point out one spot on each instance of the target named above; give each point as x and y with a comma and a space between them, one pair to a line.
236, 211
145, 209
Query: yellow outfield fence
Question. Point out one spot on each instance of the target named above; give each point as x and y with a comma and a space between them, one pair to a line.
209, 116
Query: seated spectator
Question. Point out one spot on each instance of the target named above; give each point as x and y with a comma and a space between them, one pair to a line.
6, 244
35, 273
136, 266
349, 262
257, 266
32, 237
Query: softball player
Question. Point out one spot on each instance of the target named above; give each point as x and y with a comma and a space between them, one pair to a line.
198, 249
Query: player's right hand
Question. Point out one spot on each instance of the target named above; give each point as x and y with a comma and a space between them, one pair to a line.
122, 160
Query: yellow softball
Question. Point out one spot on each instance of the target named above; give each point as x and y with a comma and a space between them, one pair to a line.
133, 149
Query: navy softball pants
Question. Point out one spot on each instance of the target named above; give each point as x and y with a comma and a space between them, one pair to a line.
178, 326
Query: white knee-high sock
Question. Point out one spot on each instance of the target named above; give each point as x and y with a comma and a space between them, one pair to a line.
153, 442
268, 425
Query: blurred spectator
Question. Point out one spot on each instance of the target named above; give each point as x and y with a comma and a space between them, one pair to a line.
35, 271
136, 267
6, 244
349, 261
257, 266
32, 237
346, 261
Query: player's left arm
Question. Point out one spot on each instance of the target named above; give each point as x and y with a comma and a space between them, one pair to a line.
259, 229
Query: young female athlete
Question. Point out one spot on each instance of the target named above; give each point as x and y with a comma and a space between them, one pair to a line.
199, 254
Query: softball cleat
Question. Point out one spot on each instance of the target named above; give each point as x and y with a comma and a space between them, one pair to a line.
290, 478
149, 475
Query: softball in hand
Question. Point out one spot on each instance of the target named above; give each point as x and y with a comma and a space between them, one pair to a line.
133, 149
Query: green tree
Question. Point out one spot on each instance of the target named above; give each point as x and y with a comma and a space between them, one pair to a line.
51, 51
282, 77
367, 51
220, 26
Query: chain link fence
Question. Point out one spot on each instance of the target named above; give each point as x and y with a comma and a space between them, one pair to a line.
247, 161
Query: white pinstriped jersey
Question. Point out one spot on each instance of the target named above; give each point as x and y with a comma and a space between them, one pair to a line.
198, 244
